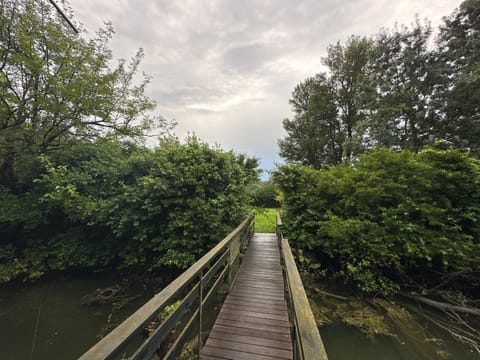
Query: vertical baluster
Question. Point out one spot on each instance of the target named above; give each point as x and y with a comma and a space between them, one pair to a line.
200, 314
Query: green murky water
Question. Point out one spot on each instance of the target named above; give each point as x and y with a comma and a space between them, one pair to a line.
343, 342
46, 320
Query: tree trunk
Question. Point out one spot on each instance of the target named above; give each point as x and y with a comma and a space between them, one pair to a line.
444, 306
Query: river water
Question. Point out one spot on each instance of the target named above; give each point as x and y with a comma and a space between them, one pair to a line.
344, 342
47, 321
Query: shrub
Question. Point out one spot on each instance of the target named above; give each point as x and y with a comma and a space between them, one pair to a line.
391, 219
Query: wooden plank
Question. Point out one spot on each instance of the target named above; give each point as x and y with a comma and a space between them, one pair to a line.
253, 332
251, 325
264, 310
247, 302
234, 355
273, 282
261, 300
278, 344
251, 348
253, 322
260, 277
256, 295
240, 313
259, 290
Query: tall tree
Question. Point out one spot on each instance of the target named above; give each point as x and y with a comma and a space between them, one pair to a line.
57, 87
347, 64
457, 95
402, 74
313, 135
328, 109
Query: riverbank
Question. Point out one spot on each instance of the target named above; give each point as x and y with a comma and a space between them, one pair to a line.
377, 328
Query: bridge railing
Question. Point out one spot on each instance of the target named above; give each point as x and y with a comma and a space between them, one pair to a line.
189, 293
307, 343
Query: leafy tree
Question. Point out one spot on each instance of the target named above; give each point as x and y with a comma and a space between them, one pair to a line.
314, 134
77, 190
57, 87
402, 72
457, 95
328, 108
347, 65
401, 88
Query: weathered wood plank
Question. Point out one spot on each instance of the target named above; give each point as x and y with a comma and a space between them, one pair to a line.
286, 338
257, 293
247, 302
234, 355
272, 301
251, 307
278, 344
251, 348
252, 325
241, 319
250, 313
253, 322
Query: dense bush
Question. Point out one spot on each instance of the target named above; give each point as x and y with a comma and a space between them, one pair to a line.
105, 204
389, 220
264, 194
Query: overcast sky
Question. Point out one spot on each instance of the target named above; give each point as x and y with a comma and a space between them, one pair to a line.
225, 69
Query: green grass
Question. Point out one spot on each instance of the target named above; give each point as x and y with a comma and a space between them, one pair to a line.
265, 220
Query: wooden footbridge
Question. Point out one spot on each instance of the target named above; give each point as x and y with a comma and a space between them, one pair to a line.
243, 300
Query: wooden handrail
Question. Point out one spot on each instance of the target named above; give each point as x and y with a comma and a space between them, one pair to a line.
220, 259
308, 344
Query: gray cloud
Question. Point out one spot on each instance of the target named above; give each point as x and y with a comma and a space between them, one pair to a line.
225, 69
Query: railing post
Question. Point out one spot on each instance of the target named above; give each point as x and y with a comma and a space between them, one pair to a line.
200, 313
279, 229
234, 250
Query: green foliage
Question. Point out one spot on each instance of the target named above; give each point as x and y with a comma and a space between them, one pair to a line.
313, 136
389, 220
457, 92
327, 108
264, 194
189, 197
58, 87
265, 220
401, 88
402, 73
109, 204
74, 191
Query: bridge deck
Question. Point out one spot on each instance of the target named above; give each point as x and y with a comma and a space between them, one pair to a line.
253, 322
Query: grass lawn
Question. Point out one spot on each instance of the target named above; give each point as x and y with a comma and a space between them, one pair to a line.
265, 220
